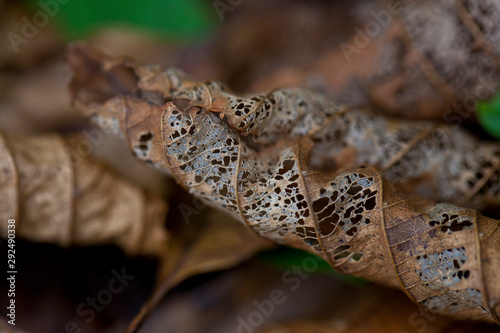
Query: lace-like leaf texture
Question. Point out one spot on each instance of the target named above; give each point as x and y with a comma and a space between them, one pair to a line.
226, 150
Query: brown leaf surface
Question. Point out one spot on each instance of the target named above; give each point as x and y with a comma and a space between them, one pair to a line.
444, 257
433, 59
58, 196
438, 162
215, 240
211, 242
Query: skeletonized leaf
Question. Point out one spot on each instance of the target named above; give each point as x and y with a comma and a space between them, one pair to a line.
444, 257
57, 196
438, 162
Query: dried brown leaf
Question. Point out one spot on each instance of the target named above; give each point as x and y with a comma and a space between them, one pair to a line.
438, 162
59, 197
210, 243
444, 257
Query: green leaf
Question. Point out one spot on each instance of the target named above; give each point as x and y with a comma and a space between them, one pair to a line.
489, 115
175, 19
287, 258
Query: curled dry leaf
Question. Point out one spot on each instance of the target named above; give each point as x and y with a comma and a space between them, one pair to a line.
57, 196
421, 59
435, 161
444, 257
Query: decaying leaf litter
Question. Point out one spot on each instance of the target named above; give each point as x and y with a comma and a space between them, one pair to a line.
96, 207
58, 194
350, 155
225, 149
